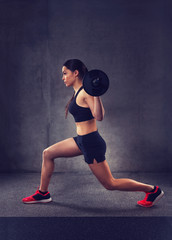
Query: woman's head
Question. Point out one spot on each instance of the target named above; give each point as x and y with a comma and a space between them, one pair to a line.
73, 69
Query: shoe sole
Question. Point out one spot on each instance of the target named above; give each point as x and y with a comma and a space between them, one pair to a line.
156, 200
40, 201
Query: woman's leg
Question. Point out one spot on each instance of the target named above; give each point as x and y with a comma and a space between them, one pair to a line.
66, 148
102, 172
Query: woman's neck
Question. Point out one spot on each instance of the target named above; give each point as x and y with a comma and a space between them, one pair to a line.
77, 86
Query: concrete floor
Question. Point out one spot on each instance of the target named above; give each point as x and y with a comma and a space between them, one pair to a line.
81, 195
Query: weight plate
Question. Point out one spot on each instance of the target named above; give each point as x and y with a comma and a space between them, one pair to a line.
96, 82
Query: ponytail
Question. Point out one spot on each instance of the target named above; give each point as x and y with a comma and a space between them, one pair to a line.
67, 106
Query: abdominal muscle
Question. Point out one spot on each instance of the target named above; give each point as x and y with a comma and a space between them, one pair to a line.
83, 128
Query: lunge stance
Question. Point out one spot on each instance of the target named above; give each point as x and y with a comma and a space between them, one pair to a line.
86, 110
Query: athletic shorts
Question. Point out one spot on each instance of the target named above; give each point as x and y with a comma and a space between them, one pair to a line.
92, 146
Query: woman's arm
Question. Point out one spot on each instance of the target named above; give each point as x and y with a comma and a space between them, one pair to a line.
96, 106
98, 109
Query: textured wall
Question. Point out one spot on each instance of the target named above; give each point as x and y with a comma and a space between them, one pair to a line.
129, 40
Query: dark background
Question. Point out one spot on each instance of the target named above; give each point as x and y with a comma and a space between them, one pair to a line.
129, 40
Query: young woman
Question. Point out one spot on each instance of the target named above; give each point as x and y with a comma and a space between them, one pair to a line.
86, 110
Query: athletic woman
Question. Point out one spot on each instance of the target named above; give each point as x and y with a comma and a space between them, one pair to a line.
86, 110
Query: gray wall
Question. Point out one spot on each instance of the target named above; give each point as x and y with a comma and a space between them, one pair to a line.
129, 40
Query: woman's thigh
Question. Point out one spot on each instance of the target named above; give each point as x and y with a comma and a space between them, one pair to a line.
101, 171
65, 148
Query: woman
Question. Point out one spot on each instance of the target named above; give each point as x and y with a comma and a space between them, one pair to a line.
86, 110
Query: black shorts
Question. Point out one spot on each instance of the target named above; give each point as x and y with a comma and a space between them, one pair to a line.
92, 146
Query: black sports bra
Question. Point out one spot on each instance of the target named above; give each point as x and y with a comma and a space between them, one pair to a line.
79, 113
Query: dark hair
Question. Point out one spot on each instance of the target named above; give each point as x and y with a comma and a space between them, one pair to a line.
72, 65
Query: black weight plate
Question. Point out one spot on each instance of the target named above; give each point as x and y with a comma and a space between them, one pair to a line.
96, 82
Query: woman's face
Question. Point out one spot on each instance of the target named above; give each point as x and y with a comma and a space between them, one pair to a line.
68, 76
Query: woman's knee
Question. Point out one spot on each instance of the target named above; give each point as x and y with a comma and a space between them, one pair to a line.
47, 154
110, 184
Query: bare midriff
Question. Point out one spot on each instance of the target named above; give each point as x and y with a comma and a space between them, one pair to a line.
83, 128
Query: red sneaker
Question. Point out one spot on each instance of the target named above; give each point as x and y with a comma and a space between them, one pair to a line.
151, 198
38, 198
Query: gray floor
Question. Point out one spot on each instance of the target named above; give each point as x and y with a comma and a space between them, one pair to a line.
81, 195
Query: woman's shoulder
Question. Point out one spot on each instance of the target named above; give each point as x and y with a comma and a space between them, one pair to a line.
84, 94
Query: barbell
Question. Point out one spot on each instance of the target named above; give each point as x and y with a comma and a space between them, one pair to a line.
95, 82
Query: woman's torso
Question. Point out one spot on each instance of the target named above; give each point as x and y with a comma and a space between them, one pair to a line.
88, 126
